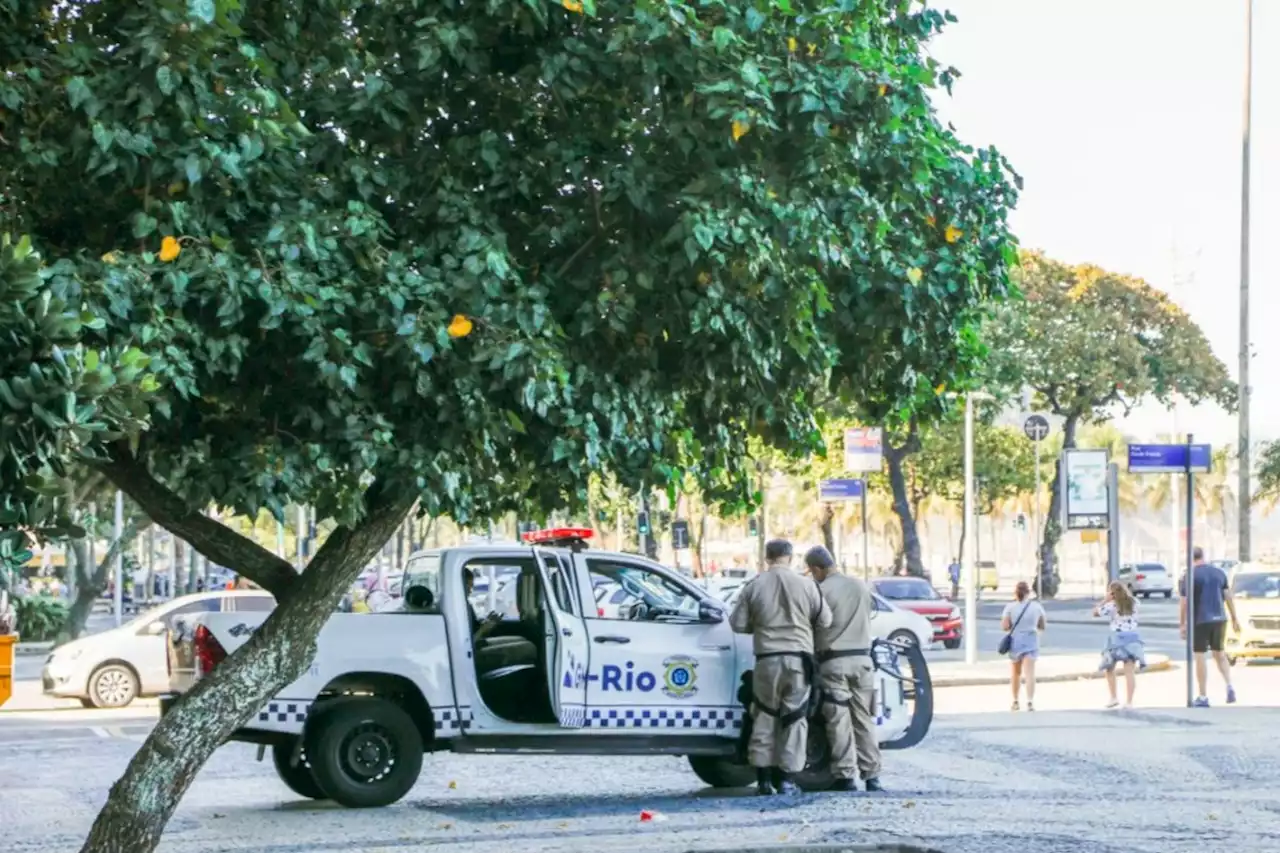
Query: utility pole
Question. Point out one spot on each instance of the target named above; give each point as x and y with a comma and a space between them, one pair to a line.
1245, 489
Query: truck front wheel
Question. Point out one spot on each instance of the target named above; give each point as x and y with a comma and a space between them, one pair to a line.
298, 777
719, 772
364, 752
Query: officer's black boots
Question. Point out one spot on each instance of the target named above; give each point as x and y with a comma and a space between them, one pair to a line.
764, 782
844, 785
873, 784
785, 785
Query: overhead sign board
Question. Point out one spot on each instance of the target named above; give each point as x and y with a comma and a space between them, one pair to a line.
830, 491
680, 535
1170, 458
863, 449
1086, 497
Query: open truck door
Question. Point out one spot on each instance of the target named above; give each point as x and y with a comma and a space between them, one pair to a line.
566, 640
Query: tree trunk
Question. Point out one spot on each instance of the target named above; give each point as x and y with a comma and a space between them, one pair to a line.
142, 801
1048, 578
902, 507
91, 584
828, 527
762, 524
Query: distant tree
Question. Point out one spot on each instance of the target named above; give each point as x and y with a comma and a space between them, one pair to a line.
1091, 343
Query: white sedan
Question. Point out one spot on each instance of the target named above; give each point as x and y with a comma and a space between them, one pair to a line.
888, 622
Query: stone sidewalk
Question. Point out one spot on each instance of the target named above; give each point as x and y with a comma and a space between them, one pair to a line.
1154, 781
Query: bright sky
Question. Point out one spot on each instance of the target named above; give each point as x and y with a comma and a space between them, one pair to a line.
1124, 119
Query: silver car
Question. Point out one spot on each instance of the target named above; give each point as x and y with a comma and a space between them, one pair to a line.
111, 669
1146, 579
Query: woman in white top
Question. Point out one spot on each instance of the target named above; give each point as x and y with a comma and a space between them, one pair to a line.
1023, 620
1124, 643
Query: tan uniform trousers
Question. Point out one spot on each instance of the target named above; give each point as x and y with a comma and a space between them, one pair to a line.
848, 707
779, 684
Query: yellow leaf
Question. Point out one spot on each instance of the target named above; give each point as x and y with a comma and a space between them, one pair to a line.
941, 389
813, 48
109, 258
770, 194
572, 5
453, 786
953, 233
791, 43
703, 278
914, 275
169, 249
459, 327
884, 90
932, 220
176, 187
740, 129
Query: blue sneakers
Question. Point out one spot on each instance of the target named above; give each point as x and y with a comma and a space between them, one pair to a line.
1231, 695
1201, 702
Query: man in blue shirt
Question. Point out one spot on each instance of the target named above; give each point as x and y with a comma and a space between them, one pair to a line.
1213, 604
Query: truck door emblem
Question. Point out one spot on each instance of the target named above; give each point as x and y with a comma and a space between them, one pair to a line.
239, 630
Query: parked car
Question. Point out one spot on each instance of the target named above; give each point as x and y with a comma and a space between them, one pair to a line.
919, 596
988, 576
112, 668
888, 621
1146, 579
1256, 589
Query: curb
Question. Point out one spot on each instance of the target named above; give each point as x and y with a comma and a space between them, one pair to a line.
62, 709
992, 681
33, 648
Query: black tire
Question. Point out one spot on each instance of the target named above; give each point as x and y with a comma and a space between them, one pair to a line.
719, 772
1169, 594
113, 685
364, 752
1144, 595
951, 644
817, 775
297, 777
922, 712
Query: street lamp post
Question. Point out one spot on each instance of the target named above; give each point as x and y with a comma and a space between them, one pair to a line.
969, 571
1245, 534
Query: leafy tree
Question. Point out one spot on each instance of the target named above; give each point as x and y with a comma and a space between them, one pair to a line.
373, 256
1091, 343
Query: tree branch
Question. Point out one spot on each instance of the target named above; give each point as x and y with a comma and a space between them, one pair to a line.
215, 541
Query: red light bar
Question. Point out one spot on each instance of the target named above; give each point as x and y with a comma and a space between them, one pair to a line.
559, 534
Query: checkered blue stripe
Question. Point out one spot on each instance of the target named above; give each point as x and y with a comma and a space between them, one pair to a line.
284, 713
450, 720
665, 718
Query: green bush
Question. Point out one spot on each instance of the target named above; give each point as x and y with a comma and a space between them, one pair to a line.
39, 617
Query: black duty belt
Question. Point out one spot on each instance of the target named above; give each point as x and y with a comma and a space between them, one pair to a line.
832, 654
807, 710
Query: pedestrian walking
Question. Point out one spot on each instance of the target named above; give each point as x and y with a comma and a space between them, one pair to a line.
1124, 642
953, 571
846, 674
780, 609
1022, 621
1214, 604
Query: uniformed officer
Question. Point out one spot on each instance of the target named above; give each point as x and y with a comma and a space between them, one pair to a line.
847, 676
780, 609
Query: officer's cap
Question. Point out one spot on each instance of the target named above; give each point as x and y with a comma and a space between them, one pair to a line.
819, 557
777, 549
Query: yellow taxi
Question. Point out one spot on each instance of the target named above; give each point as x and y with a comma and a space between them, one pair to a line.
1256, 590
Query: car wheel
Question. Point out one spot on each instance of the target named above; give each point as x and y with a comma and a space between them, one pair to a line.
1169, 594
921, 696
951, 644
113, 685
298, 777
1144, 595
904, 637
364, 752
722, 772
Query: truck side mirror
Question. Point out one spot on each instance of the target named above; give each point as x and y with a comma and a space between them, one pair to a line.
709, 611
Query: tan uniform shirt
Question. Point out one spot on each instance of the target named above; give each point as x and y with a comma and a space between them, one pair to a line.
849, 600
780, 609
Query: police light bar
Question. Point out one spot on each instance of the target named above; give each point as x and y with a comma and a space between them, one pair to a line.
559, 536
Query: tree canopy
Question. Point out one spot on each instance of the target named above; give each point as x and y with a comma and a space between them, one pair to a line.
1091, 344
367, 255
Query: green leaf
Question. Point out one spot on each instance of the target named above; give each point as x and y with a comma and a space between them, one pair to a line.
164, 80
78, 92
102, 136
755, 20
202, 10
514, 420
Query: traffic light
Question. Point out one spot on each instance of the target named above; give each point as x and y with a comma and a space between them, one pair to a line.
642, 524
753, 528
1020, 523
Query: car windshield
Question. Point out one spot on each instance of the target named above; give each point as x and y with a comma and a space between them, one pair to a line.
1256, 585
1150, 568
907, 589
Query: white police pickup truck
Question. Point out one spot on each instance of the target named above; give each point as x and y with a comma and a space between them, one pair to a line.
664, 675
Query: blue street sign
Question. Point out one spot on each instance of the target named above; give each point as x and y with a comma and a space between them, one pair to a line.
840, 490
1169, 458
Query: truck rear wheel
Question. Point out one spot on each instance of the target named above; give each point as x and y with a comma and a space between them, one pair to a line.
720, 772
364, 752
297, 777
